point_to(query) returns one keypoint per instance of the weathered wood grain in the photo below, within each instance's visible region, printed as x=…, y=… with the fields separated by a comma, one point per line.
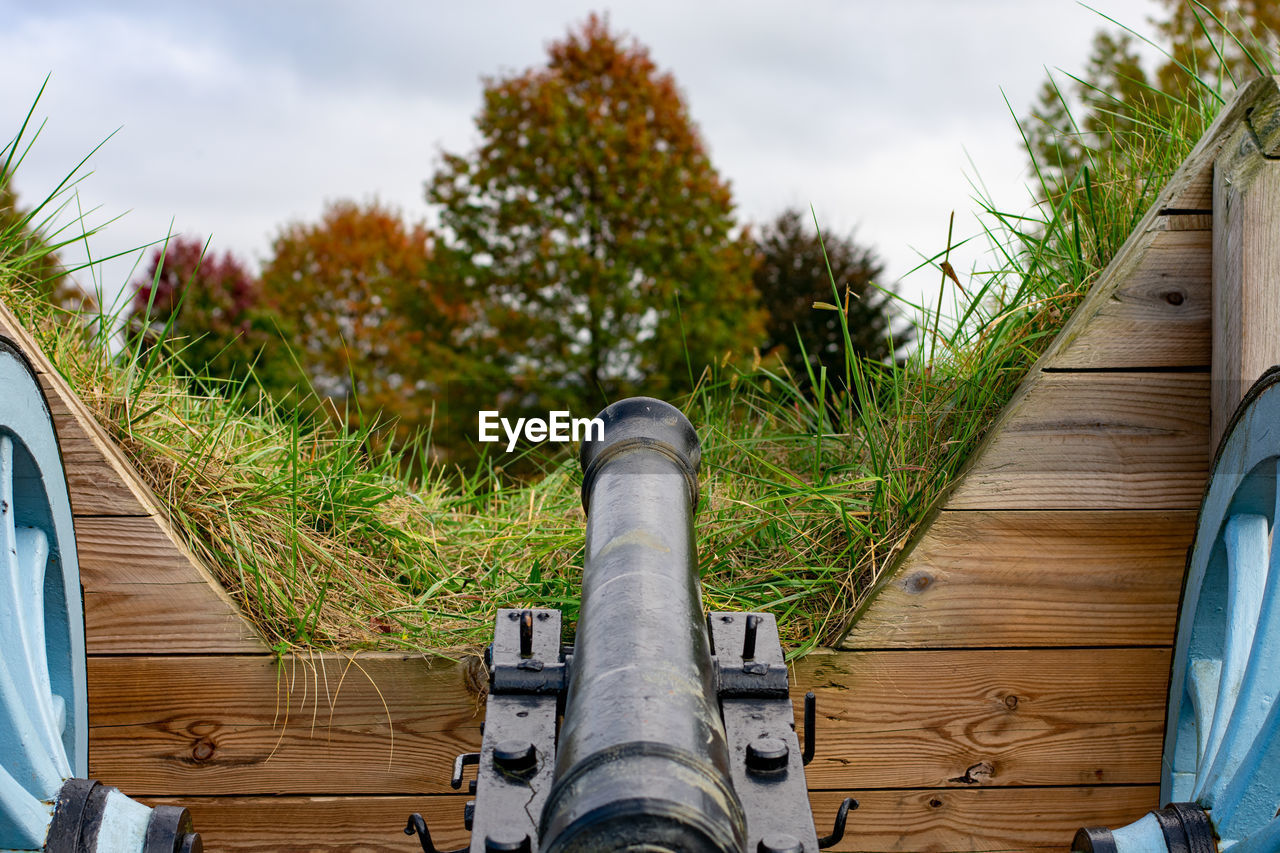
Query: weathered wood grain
x=991, y=819
x=101, y=482
x=1095, y=441
x=143, y=596
x=968, y=718
x=1197, y=193
x=1184, y=222
x=1034, y=579
x=1246, y=275
x=120, y=531
x=1191, y=187
x=1188, y=189
x=984, y=819
x=377, y=723
x=1156, y=316
x=230, y=725
x=96, y=473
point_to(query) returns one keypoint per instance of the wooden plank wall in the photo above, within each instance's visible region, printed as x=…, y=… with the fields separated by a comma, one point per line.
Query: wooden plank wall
x=1067, y=536
x=1004, y=687
x=978, y=749
x=264, y=756
x=144, y=593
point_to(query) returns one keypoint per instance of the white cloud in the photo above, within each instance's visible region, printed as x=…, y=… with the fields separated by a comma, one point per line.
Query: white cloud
x=238, y=117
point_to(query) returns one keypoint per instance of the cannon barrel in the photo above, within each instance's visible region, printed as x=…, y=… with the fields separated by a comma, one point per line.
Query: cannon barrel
x=660, y=729
x=642, y=755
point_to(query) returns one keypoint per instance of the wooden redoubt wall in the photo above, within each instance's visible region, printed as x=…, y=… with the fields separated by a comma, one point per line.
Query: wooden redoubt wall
x=1005, y=686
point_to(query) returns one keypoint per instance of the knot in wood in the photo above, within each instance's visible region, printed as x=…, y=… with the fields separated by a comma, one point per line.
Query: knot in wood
x=919, y=582
x=203, y=750
x=976, y=774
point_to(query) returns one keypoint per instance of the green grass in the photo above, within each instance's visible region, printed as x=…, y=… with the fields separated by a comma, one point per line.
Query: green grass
x=807, y=498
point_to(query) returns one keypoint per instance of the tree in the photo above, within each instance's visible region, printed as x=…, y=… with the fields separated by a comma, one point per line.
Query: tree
x=27, y=251
x=591, y=230
x=370, y=330
x=1117, y=97
x=1211, y=45
x=211, y=309
x=1217, y=40
x=792, y=275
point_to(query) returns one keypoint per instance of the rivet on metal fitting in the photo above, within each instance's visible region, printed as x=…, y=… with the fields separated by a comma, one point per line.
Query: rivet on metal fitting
x=767, y=755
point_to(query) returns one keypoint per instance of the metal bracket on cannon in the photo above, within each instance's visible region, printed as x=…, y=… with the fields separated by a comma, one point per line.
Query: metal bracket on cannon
x=529, y=673
x=764, y=752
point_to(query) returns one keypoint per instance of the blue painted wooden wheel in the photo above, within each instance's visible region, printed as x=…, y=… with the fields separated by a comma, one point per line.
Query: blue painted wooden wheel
x=46, y=801
x=1222, y=737
x=43, y=703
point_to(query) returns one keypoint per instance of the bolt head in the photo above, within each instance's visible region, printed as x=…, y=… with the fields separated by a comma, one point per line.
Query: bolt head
x=506, y=840
x=767, y=755
x=780, y=842
x=515, y=756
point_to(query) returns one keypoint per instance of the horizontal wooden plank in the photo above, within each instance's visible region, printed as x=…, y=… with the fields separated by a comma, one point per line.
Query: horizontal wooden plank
x=980, y=717
x=990, y=819
x=984, y=819
x=1188, y=190
x=1095, y=441
x=143, y=595
x=321, y=824
x=1033, y=579
x=144, y=591
x=1197, y=192
x=96, y=478
x=240, y=724
x=167, y=619
x=1157, y=314
x=385, y=724
x=1184, y=222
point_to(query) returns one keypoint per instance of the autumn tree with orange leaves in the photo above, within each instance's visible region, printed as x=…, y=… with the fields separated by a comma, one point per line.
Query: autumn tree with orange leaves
x=372, y=331
x=592, y=232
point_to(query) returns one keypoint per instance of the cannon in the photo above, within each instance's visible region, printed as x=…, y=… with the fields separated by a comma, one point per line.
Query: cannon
x=658, y=729
x=1220, y=770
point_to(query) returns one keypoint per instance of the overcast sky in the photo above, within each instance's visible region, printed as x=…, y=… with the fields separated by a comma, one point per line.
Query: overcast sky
x=236, y=117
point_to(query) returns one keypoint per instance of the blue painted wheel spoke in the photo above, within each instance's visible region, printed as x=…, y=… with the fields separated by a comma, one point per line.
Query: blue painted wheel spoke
x=1247, y=800
x=1203, y=676
x=24, y=682
x=43, y=725
x=1264, y=840
x=1247, y=542
x=25, y=819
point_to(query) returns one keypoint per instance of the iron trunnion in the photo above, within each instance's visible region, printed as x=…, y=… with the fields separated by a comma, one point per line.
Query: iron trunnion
x=674, y=733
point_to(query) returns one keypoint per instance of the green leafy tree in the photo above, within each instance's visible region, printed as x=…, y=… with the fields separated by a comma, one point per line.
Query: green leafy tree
x=1211, y=45
x=373, y=334
x=591, y=230
x=797, y=286
x=209, y=308
x=1069, y=128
